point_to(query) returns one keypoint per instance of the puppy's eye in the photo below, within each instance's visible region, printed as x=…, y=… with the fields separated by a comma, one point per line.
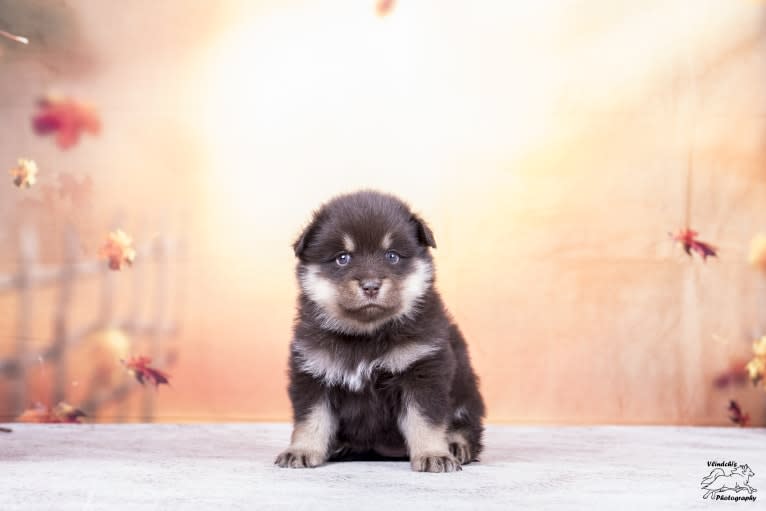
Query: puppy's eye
x=343, y=259
x=392, y=257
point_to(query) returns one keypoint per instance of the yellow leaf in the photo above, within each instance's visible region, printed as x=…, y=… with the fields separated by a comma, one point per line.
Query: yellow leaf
x=24, y=173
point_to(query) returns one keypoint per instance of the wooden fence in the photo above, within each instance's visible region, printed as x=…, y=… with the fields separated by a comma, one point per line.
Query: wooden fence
x=154, y=265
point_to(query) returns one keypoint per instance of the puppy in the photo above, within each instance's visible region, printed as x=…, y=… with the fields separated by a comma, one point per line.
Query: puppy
x=377, y=367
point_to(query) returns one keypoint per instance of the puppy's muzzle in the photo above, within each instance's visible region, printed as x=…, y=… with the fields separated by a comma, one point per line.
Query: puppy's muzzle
x=370, y=287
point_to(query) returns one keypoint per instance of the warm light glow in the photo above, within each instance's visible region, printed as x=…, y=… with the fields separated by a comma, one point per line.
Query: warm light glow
x=320, y=99
x=547, y=144
x=316, y=99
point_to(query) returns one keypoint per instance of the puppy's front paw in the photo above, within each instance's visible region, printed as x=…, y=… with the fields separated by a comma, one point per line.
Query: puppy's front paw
x=299, y=458
x=435, y=462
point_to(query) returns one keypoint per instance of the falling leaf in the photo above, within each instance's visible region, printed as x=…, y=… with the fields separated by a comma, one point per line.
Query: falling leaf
x=756, y=368
x=68, y=413
x=24, y=173
x=757, y=255
x=736, y=415
x=687, y=239
x=384, y=7
x=78, y=191
x=118, y=250
x=67, y=118
x=736, y=374
x=61, y=413
x=139, y=366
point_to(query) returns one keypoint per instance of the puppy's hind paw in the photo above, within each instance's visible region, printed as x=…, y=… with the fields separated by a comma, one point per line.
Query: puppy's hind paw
x=435, y=463
x=461, y=451
x=299, y=458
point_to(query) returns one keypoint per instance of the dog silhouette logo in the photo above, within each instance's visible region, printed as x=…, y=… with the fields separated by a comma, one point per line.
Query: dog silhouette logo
x=727, y=480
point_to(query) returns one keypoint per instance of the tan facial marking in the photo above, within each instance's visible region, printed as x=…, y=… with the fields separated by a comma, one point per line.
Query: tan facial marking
x=348, y=243
x=415, y=285
x=387, y=240
x=325, y=293
x=318, y=288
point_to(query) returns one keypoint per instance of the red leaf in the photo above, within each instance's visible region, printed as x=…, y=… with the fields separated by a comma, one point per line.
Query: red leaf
x=736, y=374
x=687, y=239
x=118, y=250
x=384, y=7
x=61, y=413
x=736, y=415
x=140, y=368
x=67, y=118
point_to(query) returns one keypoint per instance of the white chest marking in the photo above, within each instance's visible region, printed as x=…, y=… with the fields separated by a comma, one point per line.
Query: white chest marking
x=322, y=364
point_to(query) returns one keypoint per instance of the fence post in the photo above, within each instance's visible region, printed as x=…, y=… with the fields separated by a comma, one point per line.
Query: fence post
x=28, y=247
x=61, y=329
x=160, y=253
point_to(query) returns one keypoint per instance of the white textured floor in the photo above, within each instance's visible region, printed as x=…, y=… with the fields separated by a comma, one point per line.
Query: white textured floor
x=223, y=467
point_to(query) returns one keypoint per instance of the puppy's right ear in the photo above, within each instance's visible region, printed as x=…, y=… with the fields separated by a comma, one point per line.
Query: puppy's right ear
x=305, y=238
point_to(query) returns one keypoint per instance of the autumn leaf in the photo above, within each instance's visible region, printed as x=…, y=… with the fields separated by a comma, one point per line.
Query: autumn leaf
x=140, y=368
x=735, y=374
x=78, y=191
x=756, y=369
x=67, y=118
x=118, y=250
x=384, y=7
x=67, y=413
x=6, y=430
x=24, y=173
x=736, y=415
x=687, y=239
x=61, y=413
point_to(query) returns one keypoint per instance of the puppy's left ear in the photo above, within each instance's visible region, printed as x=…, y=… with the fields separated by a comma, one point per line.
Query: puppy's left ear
x=425, y=236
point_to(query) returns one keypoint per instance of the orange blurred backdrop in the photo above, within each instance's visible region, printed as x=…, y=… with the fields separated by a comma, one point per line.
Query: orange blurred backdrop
x=551, y=145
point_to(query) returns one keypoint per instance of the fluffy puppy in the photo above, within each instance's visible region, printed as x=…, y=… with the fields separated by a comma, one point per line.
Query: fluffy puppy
x=377, y=367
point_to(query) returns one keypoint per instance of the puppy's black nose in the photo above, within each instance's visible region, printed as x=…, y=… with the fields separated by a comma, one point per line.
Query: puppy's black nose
x=370, y=286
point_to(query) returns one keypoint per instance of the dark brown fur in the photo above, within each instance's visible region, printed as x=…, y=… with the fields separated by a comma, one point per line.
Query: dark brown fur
x=438, y=384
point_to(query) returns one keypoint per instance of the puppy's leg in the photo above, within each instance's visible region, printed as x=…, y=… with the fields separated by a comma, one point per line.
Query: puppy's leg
x=465, y=428
x=312, y=437
x=426, y=441
x=465, y=431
